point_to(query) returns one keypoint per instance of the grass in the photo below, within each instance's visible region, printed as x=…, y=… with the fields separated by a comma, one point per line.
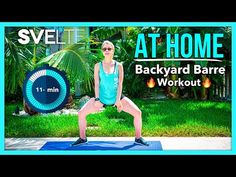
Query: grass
x=160, y=118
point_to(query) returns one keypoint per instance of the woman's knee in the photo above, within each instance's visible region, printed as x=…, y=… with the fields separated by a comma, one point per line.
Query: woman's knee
x=81, y=113
x=83, y=110
x=138, y=113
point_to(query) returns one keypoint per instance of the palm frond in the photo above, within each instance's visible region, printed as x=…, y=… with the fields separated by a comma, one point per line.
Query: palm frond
x=75, y=60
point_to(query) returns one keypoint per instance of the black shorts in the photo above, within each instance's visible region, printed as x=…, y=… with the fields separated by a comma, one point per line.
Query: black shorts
x=105, y=105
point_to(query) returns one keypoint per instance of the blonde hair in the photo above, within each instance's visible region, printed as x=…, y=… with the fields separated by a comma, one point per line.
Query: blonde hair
x=109, y=43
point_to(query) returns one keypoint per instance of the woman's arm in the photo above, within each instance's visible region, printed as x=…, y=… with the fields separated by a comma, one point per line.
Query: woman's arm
x=96, y=80
x=120, y=82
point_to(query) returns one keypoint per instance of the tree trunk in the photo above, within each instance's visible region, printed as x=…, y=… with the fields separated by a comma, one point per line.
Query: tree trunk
x=204, y=91
x=28, y=109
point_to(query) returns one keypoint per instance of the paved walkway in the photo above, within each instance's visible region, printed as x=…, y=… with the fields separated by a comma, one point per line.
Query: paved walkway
x=168, y=143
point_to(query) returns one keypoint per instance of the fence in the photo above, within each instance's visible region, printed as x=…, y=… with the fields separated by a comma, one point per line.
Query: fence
x=224, y=90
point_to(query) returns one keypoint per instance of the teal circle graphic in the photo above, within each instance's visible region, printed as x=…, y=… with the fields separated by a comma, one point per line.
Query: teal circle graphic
x=51, y=91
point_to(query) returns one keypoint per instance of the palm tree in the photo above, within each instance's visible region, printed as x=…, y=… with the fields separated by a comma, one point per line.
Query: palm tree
x=18, y=60
x=77, y=61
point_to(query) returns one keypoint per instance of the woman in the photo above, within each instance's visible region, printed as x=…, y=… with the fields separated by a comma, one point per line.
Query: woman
x=108, y=76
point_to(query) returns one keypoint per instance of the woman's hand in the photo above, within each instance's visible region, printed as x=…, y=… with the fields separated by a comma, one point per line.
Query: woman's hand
x=98, y=104
x=119, y=106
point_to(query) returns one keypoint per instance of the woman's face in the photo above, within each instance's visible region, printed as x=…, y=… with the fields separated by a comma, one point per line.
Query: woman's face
x=107, y=50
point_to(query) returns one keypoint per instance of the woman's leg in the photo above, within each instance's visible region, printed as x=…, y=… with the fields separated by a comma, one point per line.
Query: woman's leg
x=88, y=108
x=131, y=108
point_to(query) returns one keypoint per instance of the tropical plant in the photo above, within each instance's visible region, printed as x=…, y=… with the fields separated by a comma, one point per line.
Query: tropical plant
x=77, y=60
x=18, y=59
x=109, y=33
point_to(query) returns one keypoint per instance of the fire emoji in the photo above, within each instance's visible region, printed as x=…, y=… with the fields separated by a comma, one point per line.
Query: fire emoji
x=206, y=83
x=151, y=83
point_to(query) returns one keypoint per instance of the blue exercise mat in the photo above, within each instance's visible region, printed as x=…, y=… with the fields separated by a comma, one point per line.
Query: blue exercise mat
x=101, y=145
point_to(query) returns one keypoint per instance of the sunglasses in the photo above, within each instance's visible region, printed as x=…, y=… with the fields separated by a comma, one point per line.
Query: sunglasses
x=109, y=49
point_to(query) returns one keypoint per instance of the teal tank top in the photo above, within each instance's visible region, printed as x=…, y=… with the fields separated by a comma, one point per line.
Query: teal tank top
x=108, y=85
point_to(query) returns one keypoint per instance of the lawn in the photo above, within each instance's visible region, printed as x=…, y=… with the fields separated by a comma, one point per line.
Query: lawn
x=160, y=118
